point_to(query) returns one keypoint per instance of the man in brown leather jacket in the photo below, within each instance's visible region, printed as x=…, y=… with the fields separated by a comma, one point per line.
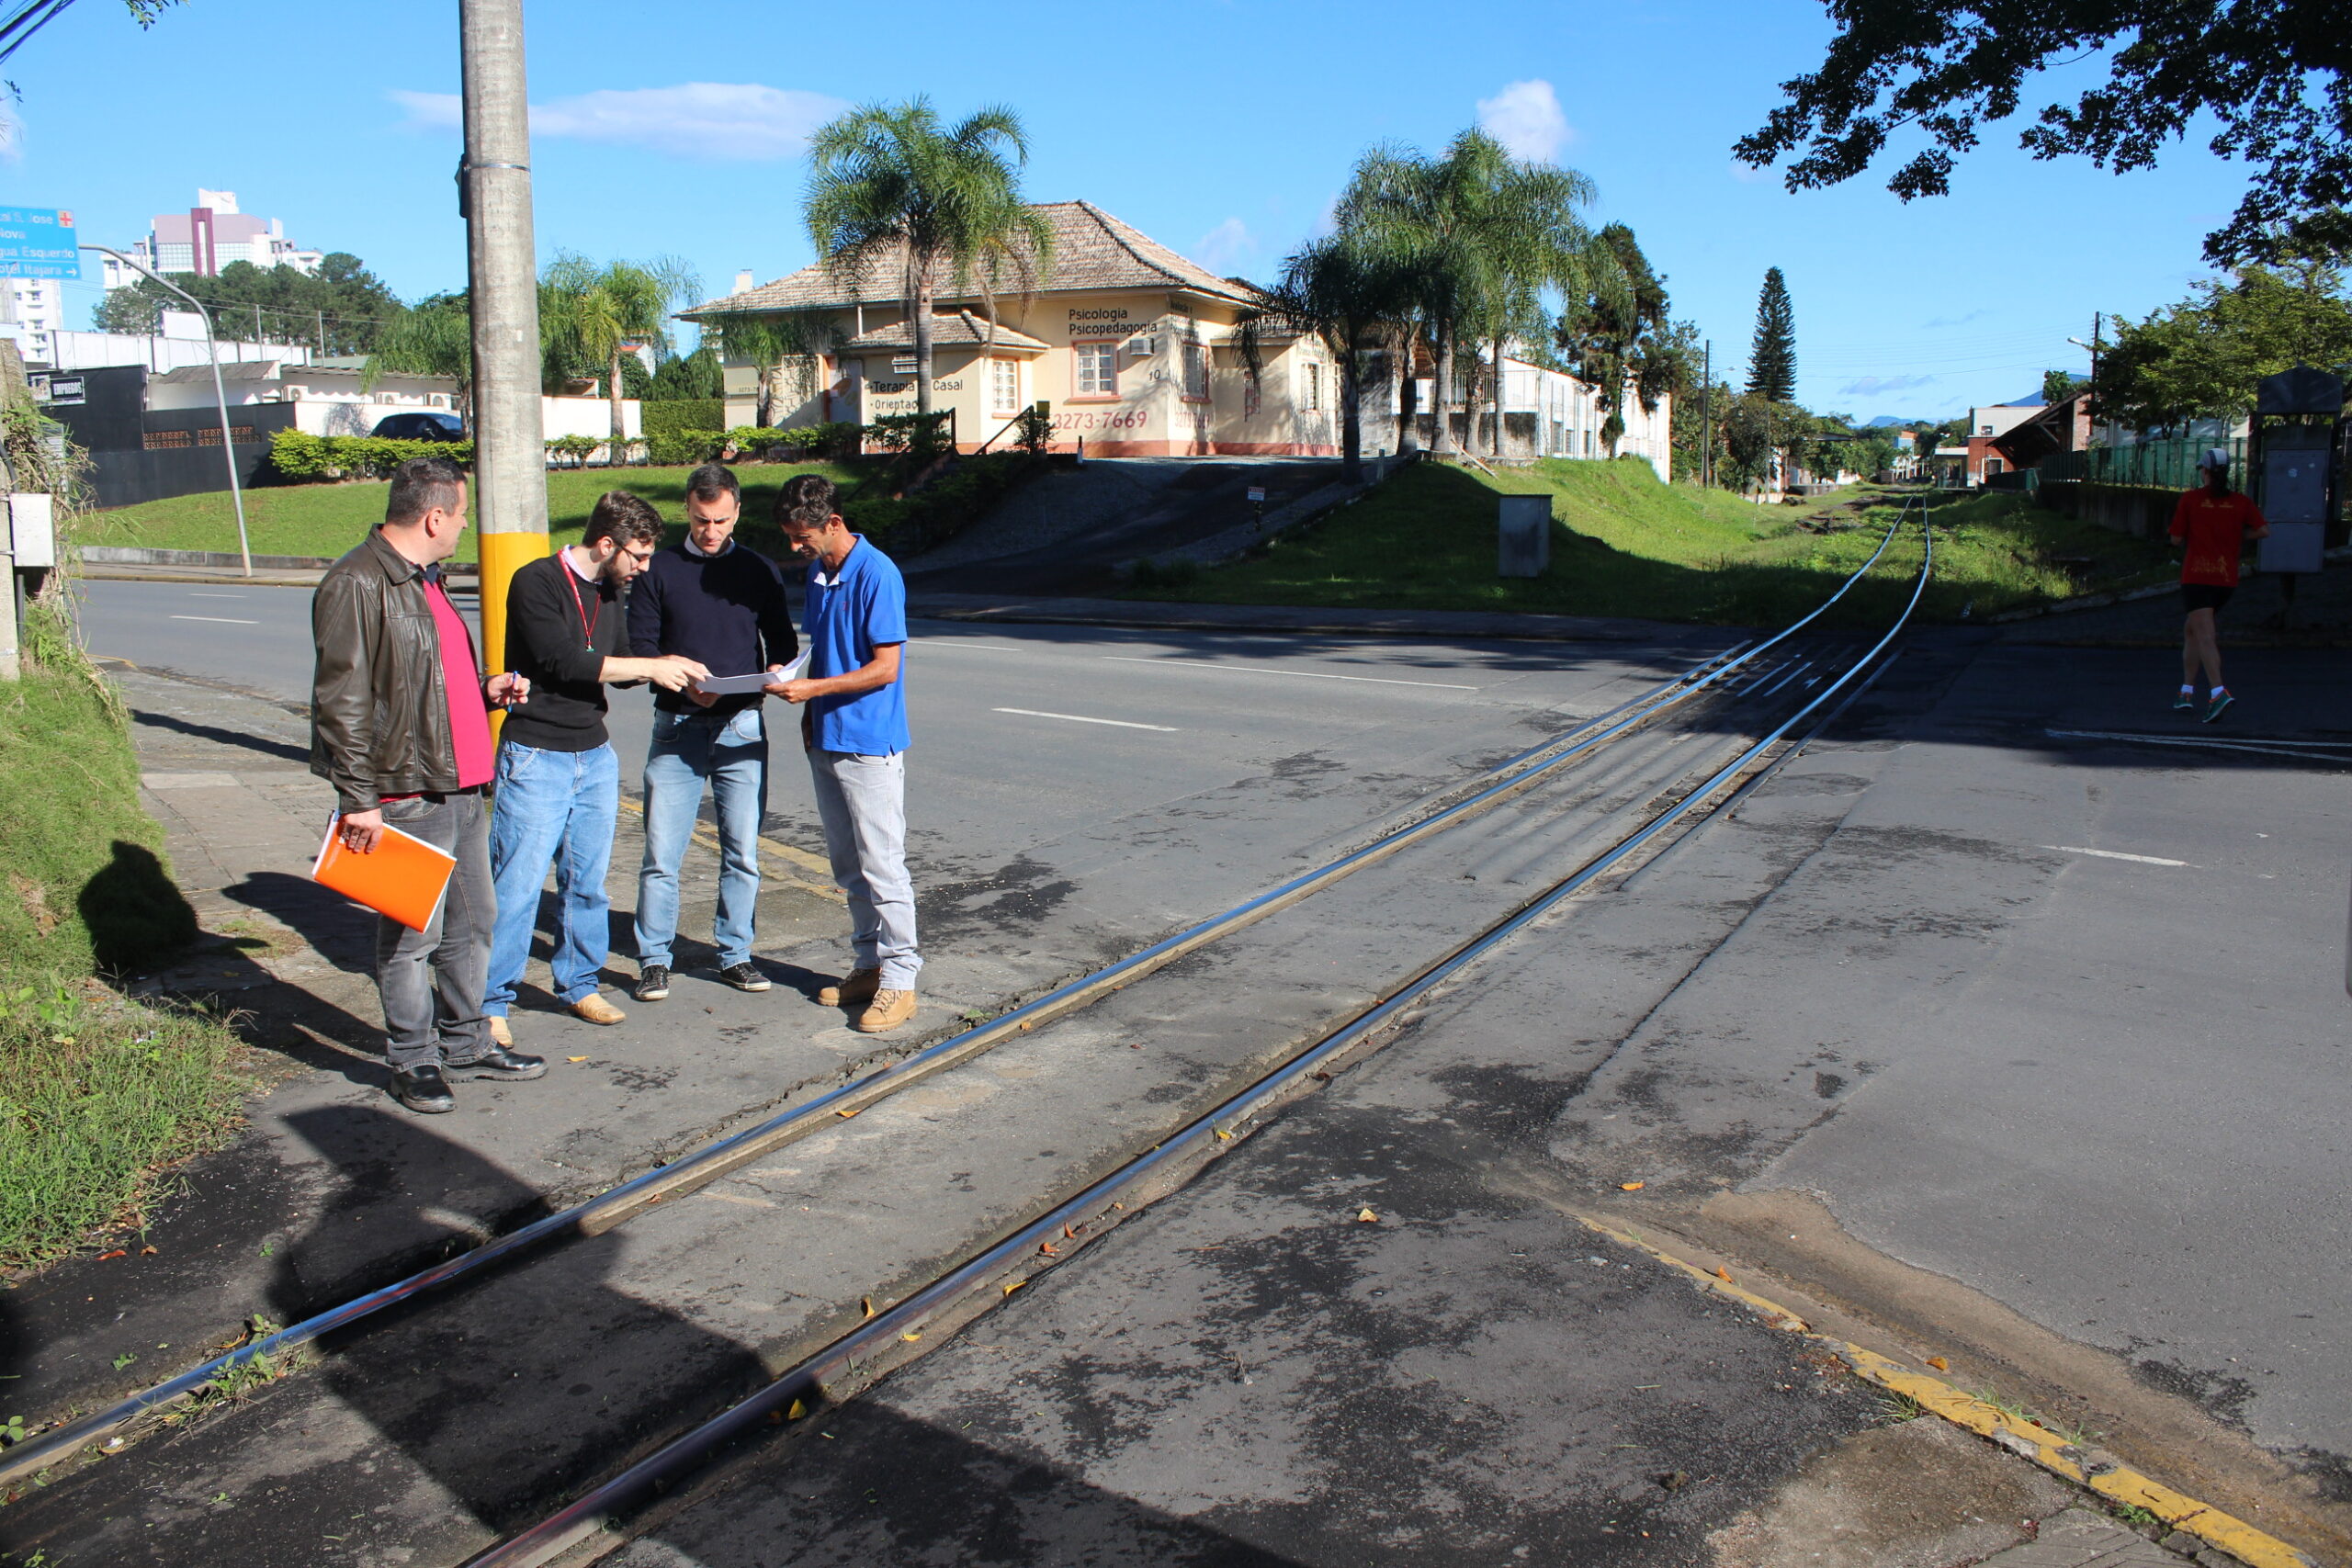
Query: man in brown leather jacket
x=400, y=726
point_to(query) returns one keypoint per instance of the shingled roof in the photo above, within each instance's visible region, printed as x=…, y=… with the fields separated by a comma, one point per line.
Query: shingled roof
x=962, y=329
x=1092, y=251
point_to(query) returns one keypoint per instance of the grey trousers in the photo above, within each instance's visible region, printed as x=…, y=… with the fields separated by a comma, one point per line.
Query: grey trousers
x=863, y=803
x=431, y=980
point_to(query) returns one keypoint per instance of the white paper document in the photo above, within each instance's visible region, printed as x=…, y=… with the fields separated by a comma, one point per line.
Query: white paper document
x=723, y=685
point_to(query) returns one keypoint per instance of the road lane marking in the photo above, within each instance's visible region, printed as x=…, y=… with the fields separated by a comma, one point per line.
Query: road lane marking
x=1303, y=674
x=2115, y=854
x=1081, y=718
x=218, y=620
x=982, y=647
x=2308, y=751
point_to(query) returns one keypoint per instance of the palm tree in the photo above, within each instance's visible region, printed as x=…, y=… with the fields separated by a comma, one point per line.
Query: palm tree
x=1483, y=234
x=434, y=337
x=775, y=341
x=591, y=314
x=1350, y=294
x=891, y=187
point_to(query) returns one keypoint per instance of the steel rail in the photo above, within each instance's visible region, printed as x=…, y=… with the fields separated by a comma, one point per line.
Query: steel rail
x=608, y=1209
x=804, y=1383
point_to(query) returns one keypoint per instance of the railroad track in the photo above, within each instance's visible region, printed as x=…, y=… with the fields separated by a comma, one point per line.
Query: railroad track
x=1772, y=690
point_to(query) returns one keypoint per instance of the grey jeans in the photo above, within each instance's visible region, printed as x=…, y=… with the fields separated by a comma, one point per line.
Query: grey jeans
x=431, y=980
x=863, y=803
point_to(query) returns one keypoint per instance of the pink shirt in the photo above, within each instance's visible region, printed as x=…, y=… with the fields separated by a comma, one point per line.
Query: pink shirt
x=468, y=716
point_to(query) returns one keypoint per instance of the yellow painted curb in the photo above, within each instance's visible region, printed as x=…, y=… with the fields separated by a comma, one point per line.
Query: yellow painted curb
x=2077, y=1462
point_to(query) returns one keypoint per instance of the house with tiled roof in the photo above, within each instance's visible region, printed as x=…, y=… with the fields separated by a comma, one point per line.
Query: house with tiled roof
x=1130, y=344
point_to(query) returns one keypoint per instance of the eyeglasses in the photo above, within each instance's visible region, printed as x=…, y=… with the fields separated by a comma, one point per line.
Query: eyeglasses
x=640, y=556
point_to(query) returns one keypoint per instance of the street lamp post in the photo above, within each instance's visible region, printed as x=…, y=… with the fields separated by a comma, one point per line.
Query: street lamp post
x=219, y=394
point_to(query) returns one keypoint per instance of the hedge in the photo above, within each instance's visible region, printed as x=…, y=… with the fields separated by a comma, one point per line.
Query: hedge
x=299, y=455
x=682, y=416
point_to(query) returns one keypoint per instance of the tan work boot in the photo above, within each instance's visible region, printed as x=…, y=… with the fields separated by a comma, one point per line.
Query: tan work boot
x=885, y=1012
x=859, y=986
x=499, y=1034
x=594, y=1008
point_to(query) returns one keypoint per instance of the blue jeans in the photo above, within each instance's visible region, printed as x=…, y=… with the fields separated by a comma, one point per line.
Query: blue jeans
x=551, y=806
x=731, y=751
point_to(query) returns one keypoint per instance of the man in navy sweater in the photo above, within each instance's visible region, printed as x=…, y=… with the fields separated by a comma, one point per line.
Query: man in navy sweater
x=713, y=601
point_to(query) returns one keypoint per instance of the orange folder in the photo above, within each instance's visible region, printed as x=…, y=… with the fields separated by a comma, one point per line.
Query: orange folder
x=403, y=878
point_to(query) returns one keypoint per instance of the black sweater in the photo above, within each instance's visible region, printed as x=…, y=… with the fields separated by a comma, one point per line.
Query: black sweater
x=727, y=611
x=547, y=641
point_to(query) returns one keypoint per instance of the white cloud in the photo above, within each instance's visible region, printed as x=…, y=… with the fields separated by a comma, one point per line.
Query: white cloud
x=1226, y=247
x=731, y=121
x=1525, y=118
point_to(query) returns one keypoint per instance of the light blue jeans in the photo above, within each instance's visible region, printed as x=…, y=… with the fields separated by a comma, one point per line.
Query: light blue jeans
x=553, y=807
x=863, y=803
x=731, y=751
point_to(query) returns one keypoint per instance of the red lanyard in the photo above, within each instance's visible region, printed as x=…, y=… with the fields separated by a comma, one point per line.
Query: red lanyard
x=587, y=627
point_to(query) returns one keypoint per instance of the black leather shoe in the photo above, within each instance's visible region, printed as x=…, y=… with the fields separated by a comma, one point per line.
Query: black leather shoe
x=744, y=977
x=652, y=983
x=498, y=1061
x=423, y=1089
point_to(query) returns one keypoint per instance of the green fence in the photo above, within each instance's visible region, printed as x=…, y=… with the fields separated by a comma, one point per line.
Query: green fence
x=2169, y=464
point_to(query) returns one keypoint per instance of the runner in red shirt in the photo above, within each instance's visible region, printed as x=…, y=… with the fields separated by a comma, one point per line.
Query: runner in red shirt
x=2211, y=525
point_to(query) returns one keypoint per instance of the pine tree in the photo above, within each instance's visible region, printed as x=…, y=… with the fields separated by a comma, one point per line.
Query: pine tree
x=1772, y=361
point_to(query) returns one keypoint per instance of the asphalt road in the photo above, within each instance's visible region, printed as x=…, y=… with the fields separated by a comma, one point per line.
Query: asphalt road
x=1027, y=735
x=2016, y=1041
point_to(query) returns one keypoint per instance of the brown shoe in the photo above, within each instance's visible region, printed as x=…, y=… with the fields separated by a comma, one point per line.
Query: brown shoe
x=594, y=1008
x=499, y=1034
x=885, y=1012
x=859, y=986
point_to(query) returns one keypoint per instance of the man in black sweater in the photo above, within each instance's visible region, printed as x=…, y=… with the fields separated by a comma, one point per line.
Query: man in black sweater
x=557, y=780
x=709, y=599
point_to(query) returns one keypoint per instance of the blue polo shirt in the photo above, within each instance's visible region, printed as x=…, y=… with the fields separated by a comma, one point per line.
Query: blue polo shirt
x=849, y=616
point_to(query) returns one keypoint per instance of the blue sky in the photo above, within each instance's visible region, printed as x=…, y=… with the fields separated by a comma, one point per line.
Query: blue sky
x=1222, y=130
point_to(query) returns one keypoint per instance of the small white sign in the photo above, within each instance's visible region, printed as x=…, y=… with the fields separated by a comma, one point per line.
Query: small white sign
x=1257, y=492
x=32, y=530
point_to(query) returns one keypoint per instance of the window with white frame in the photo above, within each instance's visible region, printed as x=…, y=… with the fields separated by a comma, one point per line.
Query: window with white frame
x=1196, y=371
x=1098, y=369
x=1004, y=386
x=1311, y=387
x=903, y=365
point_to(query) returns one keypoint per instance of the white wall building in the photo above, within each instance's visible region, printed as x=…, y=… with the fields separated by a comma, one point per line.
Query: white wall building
x=208, y=237
x=32, y=310
x=329, y=399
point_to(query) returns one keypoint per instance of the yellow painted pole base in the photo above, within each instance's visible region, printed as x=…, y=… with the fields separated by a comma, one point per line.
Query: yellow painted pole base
x=502, y=555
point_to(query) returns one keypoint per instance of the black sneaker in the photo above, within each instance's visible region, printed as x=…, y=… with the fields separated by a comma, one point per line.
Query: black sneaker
x=744, y=976
x=652, y=983
x=498, y=1061
x=423, y=1089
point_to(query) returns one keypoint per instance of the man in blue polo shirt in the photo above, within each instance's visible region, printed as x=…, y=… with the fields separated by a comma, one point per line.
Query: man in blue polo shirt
x=853, y=723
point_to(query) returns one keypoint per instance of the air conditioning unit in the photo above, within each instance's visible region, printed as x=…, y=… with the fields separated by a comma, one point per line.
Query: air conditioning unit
x=1143, y=347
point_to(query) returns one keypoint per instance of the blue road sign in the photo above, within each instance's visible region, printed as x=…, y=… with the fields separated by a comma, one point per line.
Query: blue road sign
x=37, y=242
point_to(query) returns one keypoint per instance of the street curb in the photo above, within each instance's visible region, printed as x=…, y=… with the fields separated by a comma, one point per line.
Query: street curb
x=2080, y=1463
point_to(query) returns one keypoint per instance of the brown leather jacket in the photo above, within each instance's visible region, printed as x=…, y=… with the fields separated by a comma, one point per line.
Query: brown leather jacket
x=380, y=708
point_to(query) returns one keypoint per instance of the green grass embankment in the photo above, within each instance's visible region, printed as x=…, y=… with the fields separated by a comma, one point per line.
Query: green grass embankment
x=324, y=520
x=1624, y=543
x=97, y=1093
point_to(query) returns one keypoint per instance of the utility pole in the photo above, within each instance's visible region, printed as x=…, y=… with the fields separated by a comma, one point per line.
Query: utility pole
x=1707, y=418
x=501, y=270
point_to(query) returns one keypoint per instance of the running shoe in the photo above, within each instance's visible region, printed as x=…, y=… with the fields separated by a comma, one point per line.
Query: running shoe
x=2185, y=703
x=2220, y=706
x=652, y=983
x=744, y=976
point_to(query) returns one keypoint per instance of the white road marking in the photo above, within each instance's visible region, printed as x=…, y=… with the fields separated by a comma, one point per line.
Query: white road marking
x=982, y=647
x=218, y=620
x=2116, y=854
x=2308, y=751
x=1081, y=718
x=1303, y=674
